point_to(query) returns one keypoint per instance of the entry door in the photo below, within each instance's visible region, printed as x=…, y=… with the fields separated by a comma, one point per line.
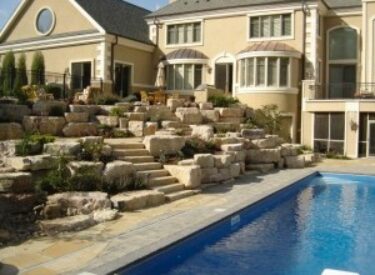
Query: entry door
x=371, y=138
x=122, y=79
x=342, y=81
x=224, y=77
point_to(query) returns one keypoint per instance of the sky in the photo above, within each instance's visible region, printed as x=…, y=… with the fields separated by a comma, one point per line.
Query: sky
x=7, y=6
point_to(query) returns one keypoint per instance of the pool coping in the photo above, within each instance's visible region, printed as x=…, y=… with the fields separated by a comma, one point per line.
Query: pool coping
x=105, y=266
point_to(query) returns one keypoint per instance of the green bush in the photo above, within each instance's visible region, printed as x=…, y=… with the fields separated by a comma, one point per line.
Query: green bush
x=55, y=89
x=8, y=74
x=56, y=111
x=196, y=145
x=21, y=74
x=222, y=101
x=32, y=144
x=85, y=181
x=107, y=100
x=38, y=69
x=91, y=151
x=268, y=118
x=117, y=112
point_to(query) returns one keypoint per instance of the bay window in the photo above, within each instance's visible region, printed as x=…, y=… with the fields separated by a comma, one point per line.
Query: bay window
x=184, y=76
x=264, y=72
x=184, y=33
x=279, y=25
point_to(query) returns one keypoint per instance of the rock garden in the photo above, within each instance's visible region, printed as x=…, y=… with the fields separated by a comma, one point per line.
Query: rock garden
x=67, y=166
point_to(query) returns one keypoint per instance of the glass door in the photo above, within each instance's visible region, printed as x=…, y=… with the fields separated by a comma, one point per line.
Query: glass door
x=371, y=138
x=224, y=77
x=342, y=81
x=122, y=79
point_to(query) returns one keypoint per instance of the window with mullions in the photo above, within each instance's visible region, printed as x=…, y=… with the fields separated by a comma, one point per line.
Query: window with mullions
x=184, y=33
x=184, y=76
x=271, y=26
x=329, y=133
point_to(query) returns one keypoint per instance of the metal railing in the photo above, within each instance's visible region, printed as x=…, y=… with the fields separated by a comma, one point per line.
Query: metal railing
x=333, y=91
x=68, y=83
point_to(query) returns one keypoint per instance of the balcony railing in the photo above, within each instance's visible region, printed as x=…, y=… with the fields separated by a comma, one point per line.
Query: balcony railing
x=343, y=90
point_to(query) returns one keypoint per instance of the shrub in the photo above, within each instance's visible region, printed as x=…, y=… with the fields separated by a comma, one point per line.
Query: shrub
x=85, y=181
x=107, y=100
x=196, y=145
x=21, y=75
x=38, y=69
x=267, y=118
x=117, y=112
x=8, y=74
x=32, y=144
x=222, y=100
x=55, y=89
x=56, y=111
x=91, y=151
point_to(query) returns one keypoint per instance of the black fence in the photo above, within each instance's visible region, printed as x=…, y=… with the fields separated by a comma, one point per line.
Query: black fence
x=345, y=91
x=62, y=85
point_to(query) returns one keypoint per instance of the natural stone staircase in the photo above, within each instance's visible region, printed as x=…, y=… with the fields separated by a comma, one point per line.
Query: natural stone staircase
x=159, y=179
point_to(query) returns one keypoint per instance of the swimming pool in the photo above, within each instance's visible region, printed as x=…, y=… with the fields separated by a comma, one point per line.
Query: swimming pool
x=325, y=221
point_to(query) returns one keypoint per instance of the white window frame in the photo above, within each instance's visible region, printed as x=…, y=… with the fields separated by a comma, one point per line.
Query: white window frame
x=53, y=21
x=192, y=62
x=200, y=43
x=275, y=38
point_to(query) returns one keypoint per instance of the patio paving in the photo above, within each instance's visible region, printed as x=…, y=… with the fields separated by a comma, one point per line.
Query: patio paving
x=112, y=245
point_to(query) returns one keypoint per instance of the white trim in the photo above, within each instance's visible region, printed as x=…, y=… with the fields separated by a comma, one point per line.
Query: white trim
x=12, y=19
x=53, y=24
x=269, y=54
x=53, y=43
x=87, y=16
x=293, y=127
x=185, y=61
x=183, y=22
x=268, y=90
x=276, y=38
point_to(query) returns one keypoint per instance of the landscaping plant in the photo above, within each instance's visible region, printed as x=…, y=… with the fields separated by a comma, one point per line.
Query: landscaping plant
x=267, y=118
x=222, y=101
x=8, y=74
x=38, y=69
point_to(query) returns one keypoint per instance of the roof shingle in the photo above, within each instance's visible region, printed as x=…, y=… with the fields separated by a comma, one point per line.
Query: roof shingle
x=119, y=17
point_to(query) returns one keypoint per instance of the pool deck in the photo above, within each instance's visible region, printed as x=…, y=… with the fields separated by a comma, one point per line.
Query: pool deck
x=109, y=246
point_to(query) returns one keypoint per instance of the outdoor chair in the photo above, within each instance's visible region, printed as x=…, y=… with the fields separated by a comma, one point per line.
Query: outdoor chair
x=160, y=97
x=145, y=97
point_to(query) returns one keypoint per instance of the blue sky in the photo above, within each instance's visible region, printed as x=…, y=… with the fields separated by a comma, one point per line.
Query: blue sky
x=7, y=6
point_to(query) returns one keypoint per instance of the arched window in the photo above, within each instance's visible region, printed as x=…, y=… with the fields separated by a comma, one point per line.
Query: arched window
x=343, y=44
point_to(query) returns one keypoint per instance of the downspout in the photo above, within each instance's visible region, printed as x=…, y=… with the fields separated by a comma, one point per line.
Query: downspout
x=112, y=68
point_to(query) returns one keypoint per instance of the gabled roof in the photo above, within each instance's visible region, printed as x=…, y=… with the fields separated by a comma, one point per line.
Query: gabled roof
x=116, y=17
x=119, y=17
x=191, y=6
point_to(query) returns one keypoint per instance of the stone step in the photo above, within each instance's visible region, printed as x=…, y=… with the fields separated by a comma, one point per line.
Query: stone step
x=180, y=195
x=154, y=173
x=147, y=166
x=127, y=145
x=138, y=159
x=130, y=152
x=171, y=188
x=161, y=181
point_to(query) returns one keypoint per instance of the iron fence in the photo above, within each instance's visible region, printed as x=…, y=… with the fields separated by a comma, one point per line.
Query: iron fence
x=66, y=83
x=363, y=90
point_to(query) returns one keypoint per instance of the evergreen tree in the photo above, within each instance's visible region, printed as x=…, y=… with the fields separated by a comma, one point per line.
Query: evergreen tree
x=38, y=69
x=21, y=74
x=8, y=73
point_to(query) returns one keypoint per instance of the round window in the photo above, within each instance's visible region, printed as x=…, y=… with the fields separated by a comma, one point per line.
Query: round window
x=45, y=21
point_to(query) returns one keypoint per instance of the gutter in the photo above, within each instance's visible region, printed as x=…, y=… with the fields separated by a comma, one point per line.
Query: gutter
x=113, y=45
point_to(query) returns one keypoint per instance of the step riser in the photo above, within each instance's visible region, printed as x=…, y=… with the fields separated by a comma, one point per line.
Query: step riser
x=182, y=195
x=155, y=182
x=155, y=174
x=131, y=153
x=137, y=160
x=145, y=167
x=127, y=146
x=170, y=189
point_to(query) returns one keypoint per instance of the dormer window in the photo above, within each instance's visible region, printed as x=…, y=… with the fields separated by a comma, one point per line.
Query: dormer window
x=183, y=34
x=271, y=26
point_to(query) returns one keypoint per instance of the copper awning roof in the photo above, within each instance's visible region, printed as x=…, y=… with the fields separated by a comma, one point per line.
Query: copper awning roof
x=185, y=54
x=269, y=46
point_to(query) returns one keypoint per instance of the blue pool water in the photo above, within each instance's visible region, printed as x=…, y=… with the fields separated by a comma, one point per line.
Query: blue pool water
x=323, y=221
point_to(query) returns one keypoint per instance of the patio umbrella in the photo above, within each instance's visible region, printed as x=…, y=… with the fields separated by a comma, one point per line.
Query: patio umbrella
x=160, y=76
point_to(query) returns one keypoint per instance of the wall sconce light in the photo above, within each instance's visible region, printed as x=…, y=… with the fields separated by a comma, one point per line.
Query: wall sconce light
x=353, y=125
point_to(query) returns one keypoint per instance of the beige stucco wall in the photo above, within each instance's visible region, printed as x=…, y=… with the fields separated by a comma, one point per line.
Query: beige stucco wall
x=68, y=19
x=142, y=63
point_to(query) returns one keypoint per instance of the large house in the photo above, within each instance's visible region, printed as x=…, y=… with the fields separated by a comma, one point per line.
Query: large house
x=314, y=59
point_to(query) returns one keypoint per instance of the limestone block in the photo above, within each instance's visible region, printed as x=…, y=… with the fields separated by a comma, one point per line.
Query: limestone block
x=222, y=161
x=206, y=106
x=78, y=167
x=233, y=120
x=189, y=115
x=225, y=173
x=67, y=224
x=210, y=116
x=256, y=156
x=170, y=124
x=205, y=132
x=231, y=112
x=295, y=162
x=117, y=171
x=232, y=147
x=16, y=183
x=160, y=112
x=186, y=162
x=77, y=117
x=253, y=133
x=263, y=168
x=136, y=116
x=32, y=163
x=44, y=125
x=111, y=121
x=62, y=147
x=91, y=140
x=136, y=128
x=43, y=107
x=93, y=110
x=189, y=175
x=14, y=112
x=123, y=122
x=168, y=144
x=136, y=200
x=80, y=129
x=288, y=149
x=238, y=156
x=204, y=160
x=173, y=104
x=223, y=127
x=207, y=173
x=11, y=131
x=281, y=163
x=268, y=143
x=14, y=203
x=106, y=215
